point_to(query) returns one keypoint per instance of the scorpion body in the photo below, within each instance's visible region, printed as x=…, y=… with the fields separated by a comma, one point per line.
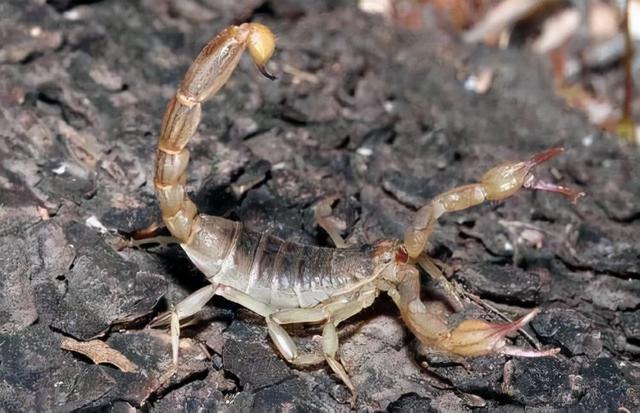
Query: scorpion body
x=280, y=273
x=288, y=283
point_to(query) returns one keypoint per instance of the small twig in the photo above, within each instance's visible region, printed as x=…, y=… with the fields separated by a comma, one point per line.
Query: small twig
x=100, y=352
x=299, y=75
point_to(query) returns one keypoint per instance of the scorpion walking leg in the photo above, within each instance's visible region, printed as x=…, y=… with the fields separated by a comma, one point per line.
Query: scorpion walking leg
x=246, y=301
x=185, y=308
x=283, y=340
x=196, y=301
x=322, y=216
x=426, y=263
x=341, y=311
x=331, y=314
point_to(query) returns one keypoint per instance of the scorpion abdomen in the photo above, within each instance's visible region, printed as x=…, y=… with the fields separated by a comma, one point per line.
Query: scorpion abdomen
x=288, y=274
x=281, y=273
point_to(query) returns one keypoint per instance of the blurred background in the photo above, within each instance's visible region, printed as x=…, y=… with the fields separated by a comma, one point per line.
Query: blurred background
x=588, y=43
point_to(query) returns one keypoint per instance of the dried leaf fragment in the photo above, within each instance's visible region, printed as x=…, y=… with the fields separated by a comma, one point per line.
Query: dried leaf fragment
x=500, y=17
x=480, y=82
x=99, y=352
x=43, y=212
x=557, y=30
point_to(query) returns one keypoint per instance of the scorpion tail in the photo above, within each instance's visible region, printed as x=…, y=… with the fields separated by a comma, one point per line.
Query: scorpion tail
x=206, y=75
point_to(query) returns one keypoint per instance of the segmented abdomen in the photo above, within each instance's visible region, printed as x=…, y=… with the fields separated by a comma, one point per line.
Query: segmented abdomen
x=291, y=274
x=272, y=270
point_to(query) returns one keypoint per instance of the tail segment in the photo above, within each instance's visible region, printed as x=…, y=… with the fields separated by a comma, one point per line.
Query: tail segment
x=206, y=75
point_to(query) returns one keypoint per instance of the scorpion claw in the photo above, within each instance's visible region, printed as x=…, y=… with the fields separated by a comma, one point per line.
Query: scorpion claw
x=541, y=185
x=504, y=180
x=544, y=156
x=497, y=184
x=470, y=338
x=532, y=183
x=478, y=337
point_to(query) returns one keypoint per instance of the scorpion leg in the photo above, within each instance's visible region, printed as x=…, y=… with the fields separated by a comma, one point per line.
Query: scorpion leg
x=189, y=306
x=330, y=348
x=497, y=184
x=162, y=240
x=322, y=216
x=340, y=311
x=283, y=340
x=196, y=301
x=331, y=314
x=185, y=308
x=426, y=263
x=246, y=301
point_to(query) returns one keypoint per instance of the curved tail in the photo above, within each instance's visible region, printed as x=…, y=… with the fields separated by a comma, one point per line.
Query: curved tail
x=206, y=75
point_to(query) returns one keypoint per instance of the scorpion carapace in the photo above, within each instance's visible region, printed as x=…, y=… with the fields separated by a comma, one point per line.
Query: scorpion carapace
x=288, y=283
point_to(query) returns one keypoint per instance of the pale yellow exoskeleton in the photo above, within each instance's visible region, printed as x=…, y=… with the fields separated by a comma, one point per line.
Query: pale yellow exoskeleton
x=289, y=283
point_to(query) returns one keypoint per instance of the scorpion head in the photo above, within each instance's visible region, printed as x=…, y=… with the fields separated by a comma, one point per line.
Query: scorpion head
x=390, y=252
x=388, y=255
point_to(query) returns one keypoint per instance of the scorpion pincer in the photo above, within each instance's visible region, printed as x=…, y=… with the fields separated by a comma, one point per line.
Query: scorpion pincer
x=286, y=282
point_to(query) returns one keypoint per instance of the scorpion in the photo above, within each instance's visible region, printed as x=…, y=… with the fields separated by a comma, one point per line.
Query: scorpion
x=289, y=283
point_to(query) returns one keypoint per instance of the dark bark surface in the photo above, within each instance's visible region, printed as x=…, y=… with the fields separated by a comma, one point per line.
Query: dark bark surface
x=368, y=112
